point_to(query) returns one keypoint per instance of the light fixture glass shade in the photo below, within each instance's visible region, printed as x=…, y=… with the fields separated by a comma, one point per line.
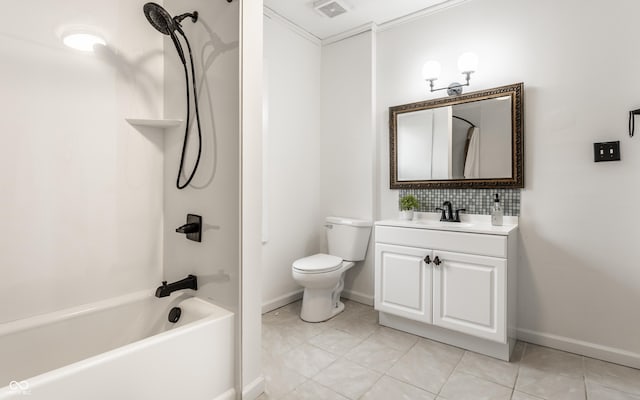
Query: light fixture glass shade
x=431, y=70
x=82, y=41
x=468, y=62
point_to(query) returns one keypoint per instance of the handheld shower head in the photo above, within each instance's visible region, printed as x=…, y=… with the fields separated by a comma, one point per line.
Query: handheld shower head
x=160, y=19
x=164, y=23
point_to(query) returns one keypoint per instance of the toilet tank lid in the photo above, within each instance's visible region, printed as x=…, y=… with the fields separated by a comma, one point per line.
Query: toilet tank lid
x=349, y=221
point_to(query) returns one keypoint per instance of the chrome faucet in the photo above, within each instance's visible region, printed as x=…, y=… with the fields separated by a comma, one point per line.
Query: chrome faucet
x=447, y=212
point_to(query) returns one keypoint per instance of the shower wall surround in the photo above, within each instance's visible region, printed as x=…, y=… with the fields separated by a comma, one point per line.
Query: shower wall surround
x=214, y=191
x=475, y=201
x=81, y=203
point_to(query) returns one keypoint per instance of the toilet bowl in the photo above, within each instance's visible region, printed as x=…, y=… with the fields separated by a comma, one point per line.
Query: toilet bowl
x=322, y=275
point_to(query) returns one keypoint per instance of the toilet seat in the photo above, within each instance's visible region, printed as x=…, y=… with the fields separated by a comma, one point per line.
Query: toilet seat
x=317, y=263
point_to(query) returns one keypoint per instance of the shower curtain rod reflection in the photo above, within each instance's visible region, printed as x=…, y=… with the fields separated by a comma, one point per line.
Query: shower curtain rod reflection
x=467, y=121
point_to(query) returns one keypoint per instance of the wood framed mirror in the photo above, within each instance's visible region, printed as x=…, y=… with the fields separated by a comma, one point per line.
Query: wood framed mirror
x=473, y=140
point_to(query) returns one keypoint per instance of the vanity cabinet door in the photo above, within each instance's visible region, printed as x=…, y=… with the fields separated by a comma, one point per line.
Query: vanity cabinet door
x=469, y=294
x=403, y=281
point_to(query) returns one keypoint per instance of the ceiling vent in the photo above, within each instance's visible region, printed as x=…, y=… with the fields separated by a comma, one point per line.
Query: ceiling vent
x=330, y=8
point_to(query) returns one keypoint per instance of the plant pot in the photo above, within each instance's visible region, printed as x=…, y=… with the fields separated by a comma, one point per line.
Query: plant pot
x=406, y=215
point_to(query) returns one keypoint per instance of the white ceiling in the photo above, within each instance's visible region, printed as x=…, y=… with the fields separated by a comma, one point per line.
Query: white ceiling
x=361, y=12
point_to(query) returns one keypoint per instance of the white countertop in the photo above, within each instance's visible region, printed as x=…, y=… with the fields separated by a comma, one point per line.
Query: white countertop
x=470, y=223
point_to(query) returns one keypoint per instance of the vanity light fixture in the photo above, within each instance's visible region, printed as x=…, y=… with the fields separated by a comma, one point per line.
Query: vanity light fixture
x=467, y=64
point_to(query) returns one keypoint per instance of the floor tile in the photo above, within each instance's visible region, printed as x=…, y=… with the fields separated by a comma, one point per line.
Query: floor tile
x=523, y=396
x=388, y=388
x=353, y=308
x=372, y=355
x=393, y=338
x=280, y=381
x=347, y=378
x=427, y=365
x=494, y=370
x=335, y=341
x=461, y=386
x=355, y=326
x=293, y=308
x=598, y=392
x=552, y=361
x=549, y=385
x=311, y=390
x=518, y=352
x=308, y=360
x=277, y=341
x=345, y=357
x=614, y=376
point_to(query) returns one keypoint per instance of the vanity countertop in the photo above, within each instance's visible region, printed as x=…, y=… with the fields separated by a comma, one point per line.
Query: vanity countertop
x=469, y=224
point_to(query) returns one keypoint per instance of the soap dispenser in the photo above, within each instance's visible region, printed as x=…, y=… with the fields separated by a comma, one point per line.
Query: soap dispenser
x=496, y=212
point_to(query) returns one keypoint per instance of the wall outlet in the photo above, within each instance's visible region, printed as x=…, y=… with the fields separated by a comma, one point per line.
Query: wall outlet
x=606, y=151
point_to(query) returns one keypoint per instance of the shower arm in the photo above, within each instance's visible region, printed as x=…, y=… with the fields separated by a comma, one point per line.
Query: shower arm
x=178, y=18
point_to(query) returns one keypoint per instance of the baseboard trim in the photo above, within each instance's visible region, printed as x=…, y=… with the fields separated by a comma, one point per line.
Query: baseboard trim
x=357, y=296
x=282, y=301
x=253, y=390
x=588, y=349
x=228, y=395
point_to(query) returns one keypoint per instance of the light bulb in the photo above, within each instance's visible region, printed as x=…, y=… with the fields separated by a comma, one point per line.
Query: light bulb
x=468, y=62
x=431, y=70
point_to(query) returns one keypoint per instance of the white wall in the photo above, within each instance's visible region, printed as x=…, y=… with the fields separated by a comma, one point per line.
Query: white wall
x=348, y=143
x=81, y=204
x=214, y=191
x=578, y=277
x=292, y=163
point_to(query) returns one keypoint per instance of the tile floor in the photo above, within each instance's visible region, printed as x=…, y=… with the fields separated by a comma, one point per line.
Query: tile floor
x=352, y=357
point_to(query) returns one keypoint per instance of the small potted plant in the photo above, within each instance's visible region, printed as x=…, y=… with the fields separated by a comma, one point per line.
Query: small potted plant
x=408, y=204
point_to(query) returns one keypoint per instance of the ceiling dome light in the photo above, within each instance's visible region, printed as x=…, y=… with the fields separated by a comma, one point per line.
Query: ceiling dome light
x=82, y=41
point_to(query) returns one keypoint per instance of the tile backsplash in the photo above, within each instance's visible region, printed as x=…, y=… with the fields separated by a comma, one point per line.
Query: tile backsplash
x=475, y=201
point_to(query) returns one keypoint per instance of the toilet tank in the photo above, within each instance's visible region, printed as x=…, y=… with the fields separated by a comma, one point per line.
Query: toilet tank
x=348, y=238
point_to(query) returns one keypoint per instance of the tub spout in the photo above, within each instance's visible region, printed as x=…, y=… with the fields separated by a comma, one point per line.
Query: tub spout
x=190, y=282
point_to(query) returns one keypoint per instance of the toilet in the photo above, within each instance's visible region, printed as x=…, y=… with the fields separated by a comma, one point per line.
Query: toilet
x=322, y=275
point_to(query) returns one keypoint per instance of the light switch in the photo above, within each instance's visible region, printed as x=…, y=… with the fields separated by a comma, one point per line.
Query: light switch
x=606, y=151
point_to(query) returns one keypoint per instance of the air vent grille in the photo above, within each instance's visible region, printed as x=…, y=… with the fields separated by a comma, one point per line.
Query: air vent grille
x=330, y=8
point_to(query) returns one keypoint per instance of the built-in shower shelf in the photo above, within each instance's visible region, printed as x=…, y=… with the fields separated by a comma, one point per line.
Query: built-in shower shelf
x=155, y=123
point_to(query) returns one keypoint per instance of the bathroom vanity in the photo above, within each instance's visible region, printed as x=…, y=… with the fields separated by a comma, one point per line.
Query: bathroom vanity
x=450, y=282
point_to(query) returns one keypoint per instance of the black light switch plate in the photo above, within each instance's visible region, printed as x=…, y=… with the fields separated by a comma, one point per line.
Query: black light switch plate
x=606, y=151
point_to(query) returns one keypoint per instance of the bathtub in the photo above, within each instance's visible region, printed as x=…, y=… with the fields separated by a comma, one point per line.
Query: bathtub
x=124, y=348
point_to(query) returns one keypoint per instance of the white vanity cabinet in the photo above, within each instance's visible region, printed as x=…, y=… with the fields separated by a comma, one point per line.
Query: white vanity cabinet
x=454, y=284
x=403, y=281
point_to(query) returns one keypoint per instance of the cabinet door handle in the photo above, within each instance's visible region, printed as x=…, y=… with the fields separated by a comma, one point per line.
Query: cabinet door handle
x=427, y=259
x=437, y=261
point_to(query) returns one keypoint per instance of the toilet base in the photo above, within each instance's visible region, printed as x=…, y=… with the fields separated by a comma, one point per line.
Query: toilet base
x=318, y=307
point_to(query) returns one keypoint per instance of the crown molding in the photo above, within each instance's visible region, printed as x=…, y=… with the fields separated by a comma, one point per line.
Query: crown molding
x=420, y=14
x=297, y=29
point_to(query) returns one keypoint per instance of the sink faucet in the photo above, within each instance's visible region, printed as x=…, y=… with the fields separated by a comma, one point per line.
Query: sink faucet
x=190, y=282
x=447, y=212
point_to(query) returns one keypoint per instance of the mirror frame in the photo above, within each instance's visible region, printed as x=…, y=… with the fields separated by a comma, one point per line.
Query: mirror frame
x=515, y=91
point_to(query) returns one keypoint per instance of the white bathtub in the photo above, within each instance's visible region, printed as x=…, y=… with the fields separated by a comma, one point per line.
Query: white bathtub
x=122, y=349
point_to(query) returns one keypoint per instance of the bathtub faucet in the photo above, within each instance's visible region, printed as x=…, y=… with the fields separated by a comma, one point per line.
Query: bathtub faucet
x=190, y=282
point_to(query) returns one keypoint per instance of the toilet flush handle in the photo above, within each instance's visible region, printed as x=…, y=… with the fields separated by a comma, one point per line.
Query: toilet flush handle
x=328, y=226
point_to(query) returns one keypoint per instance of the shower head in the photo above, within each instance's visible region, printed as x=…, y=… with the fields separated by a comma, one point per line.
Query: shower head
x=160, y=19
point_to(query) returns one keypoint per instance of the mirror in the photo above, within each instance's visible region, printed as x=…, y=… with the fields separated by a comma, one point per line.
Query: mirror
x=474, y=140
